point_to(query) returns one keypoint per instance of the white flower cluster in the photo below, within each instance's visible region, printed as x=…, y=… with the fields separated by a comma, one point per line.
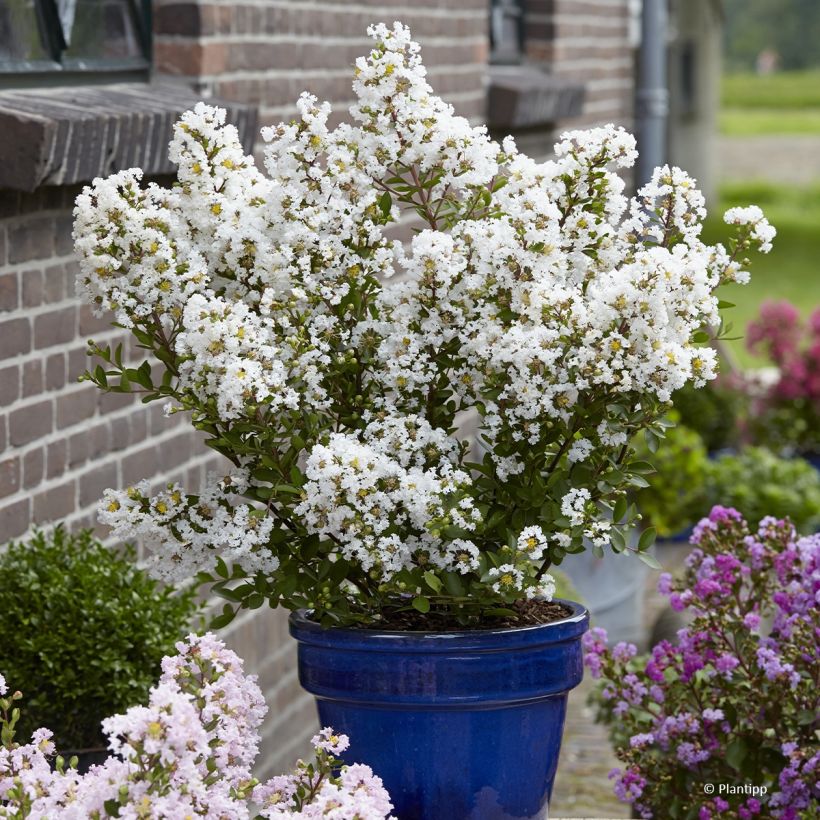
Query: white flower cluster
x=188, y=753
x=385, y=497
x=762, y=232
x=189, y=533
x=538, y=295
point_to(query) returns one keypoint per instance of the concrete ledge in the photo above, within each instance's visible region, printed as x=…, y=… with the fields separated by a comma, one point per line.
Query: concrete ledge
x=66, y=135
x=525, y=96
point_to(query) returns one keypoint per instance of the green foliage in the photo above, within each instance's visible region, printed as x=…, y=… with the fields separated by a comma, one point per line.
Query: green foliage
x=746, y=122
x=711, y=411
x=84, y=631
x=790, y=27
x=674, y=498
x=783, y=90
x=758, y=483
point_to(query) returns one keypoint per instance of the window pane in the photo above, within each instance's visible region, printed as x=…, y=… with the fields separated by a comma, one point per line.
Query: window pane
x=102, y=30
x=19, y=32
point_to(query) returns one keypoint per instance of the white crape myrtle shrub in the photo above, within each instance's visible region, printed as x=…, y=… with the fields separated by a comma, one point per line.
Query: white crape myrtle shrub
x=537, y=296
x=187, y=754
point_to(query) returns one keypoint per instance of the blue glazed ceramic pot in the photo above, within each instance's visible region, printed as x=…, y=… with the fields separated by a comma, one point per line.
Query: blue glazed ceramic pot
x=459, y=725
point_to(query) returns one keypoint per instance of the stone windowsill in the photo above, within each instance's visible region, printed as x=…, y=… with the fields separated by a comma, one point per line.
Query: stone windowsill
x=66, y=135
x=526, y=97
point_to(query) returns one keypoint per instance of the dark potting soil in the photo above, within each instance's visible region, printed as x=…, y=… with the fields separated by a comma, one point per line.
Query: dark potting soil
x=527, y=613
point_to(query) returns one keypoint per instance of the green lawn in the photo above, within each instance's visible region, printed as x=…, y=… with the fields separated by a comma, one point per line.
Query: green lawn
x=746, y=122
x=792, y=270
x=789, y=89
x=786, y=103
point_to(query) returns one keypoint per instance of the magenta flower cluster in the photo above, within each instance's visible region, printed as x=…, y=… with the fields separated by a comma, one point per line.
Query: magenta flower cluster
x=187, y=754
x=733, y=702
x=793, y=346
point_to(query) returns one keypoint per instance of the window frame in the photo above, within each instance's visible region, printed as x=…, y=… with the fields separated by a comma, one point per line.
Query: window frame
x=507, y=52
x=61, y=70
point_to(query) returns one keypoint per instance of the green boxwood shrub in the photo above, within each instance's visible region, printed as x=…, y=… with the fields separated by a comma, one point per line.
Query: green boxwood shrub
x=84, y=631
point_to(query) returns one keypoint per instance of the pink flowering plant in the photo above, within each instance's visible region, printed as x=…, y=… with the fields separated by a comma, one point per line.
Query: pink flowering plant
x=734, y=701
x=187, y=754
x=787, y=414
x=333, y=365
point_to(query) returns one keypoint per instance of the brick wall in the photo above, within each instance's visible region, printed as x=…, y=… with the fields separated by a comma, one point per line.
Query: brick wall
x=62, y=443
x=586, y=40
x=268, y=52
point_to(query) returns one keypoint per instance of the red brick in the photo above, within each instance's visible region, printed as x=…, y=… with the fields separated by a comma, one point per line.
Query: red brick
x=32, y=378
x=94, y=482
x=30, y=423
x=33, y=467
x=9, y=292
x=15, y=338
x=55, y=503
x=54, y=283
x=90, y=324
x=88, y=444
x=9, y=476
x=14, y=520
x=55, y=327
x=110, y=402
x=32, y=239
x=63, y=240
x=189, y=58
x=76, y=406
x=32, y=290
x=9, y=384
x=55, y=371
x=78, y=362
x=142, y=464
x=56, y=458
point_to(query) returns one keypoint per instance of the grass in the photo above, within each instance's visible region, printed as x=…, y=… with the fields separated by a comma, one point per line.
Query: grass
x=747, y=122
x=785, y=103
x=791, y=271
x=789, y=89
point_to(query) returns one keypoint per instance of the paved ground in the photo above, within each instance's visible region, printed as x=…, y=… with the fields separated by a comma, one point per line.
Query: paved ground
x=582, y=787
x=785, y=158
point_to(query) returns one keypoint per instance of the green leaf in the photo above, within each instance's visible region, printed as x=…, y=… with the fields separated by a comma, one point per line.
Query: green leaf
x=617, y=540
x=650, y=560
x=500, y=612
x=647, y=539
x=112, y=807
x=224, y=619
x=421, y=603
x=736, y=753
x=454, y=585
x=385, y=203
x=433, y=581
x=620, y=509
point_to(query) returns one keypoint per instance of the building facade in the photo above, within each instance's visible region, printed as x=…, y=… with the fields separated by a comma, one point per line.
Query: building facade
x=85, y=96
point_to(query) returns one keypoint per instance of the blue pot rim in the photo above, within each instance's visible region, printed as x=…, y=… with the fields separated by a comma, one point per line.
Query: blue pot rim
x=374, y=640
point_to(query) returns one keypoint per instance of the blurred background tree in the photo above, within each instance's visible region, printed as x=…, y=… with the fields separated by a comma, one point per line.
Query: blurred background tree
x=790, y=28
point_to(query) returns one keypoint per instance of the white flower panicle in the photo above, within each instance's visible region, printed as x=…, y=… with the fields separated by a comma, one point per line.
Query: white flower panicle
x=189, y=533
x=188, y=753
x=386, y=497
